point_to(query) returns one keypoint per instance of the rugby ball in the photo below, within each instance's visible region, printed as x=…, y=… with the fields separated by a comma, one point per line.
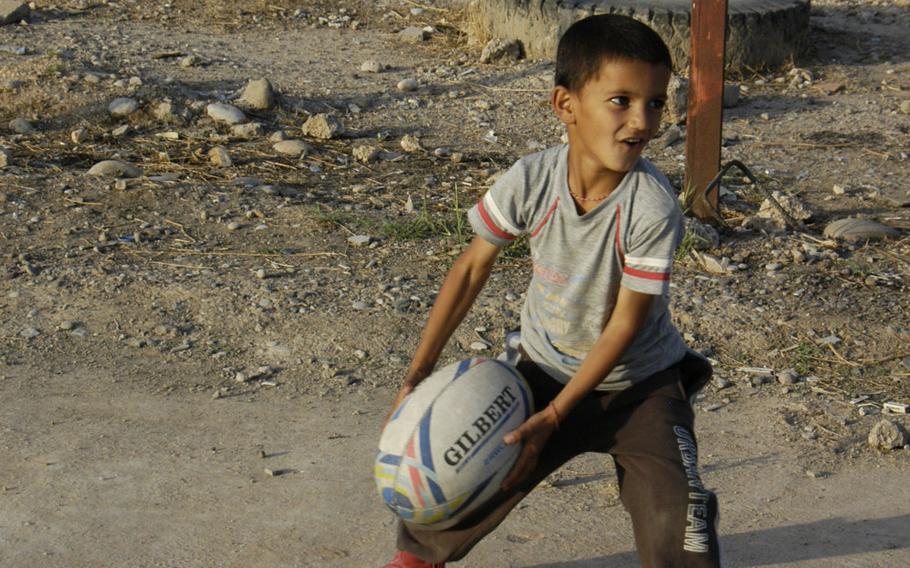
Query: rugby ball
x=441, y=455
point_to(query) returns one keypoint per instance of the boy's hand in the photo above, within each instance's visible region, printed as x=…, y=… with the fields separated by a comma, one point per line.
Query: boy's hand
x=411, y=380
x=534, y=432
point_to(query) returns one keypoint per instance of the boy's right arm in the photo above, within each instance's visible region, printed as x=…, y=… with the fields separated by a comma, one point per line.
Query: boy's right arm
x=456, y=296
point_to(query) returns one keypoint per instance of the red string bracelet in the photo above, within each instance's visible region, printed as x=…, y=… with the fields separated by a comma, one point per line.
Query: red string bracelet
x=555, y=413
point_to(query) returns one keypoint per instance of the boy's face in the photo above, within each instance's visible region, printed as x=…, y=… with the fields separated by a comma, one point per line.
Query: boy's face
x=615, y=114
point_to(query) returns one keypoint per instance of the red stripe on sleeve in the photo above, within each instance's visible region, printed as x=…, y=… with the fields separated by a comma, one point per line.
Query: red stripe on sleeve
x=646, y=275
x=491, y=225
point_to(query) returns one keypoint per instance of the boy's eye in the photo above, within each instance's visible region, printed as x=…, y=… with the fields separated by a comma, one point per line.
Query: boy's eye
x=658, y=104
x=621, y=101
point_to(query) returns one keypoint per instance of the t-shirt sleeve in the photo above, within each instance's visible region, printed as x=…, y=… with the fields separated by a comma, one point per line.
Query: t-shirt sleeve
x=499, y=217
x=649, y=260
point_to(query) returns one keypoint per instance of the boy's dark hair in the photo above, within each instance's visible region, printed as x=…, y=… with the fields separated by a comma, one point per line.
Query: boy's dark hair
x=606, y=37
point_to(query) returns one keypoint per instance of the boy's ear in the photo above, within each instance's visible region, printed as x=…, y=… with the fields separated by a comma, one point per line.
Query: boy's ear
x=563, y=104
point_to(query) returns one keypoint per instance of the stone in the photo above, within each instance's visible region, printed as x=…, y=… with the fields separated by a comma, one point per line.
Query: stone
x=788, y=377
x=731, y=96
x=5, y=157
x=228, y=114
x=677, y=99
x=259, y=94
x=703, y=236
x=794, y=207
x=13, y=12
x=498, y=49
x=360, y=240
x=411, y=144
x=839, y=190
x=322, y=126
x=670, y=136
x=853, y=229
x=887, y=435
x=479, y=346
x=21, y=126
x=79, y=135
x=220, y=158
x=123, y=106
x=407, y=85
x=120, y=131
x=248, y=130
x=713, y=264
x=293, y=148
x=188, y=61
x=167, y=111
x=905, y=106
x=365, y=153
x=278, y=136
x=371, y=66
x=412, y=34
x=114, y=168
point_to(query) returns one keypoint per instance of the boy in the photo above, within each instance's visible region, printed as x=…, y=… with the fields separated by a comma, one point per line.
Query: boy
x=608, y=370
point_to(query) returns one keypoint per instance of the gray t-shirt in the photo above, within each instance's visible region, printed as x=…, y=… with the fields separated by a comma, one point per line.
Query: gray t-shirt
x=580, y=261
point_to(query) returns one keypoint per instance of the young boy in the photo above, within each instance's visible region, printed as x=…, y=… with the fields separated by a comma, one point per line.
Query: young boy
x=608, y=370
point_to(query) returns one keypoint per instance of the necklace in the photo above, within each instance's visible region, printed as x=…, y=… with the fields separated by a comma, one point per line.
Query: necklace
x=580, y=198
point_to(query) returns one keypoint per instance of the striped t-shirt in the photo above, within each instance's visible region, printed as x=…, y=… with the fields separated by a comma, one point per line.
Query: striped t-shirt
x=580, y=261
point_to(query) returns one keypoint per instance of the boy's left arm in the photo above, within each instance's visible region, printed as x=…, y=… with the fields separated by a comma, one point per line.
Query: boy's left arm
x=626, y=319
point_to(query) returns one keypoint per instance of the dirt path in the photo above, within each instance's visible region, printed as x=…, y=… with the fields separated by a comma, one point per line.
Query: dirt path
x=99, y=473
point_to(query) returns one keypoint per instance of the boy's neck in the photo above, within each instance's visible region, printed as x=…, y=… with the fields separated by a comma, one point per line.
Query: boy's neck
x=589, y=181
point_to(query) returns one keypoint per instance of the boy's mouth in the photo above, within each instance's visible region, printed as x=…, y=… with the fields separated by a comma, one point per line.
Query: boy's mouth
x=634, y=142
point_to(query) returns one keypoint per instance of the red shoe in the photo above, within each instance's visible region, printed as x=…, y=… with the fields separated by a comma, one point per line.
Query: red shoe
x=407, y=560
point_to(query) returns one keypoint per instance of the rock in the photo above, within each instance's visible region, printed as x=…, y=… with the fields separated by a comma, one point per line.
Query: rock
x=721, y=383
x=788, y=377
x=411, y=143
x=21, y=126
x=412, y=34
x=702, y=235
x=677, y=99
x=479, y=346
x=220, y=158
x=887, y=435
x=233, y=226
x=360, y=305
x=360, y=240
x=322, y=126
x=229, y=114
x=29, y=333
x=11, y=85
x=905, y=106
x=365, y=153
x=670, y=136
x=259, y=94
x=838, y=190
x=713, y=264
x=790, y=203
x=123, y=106
x=188, y=61
x=293, y=148
x=731, y=96
x=371, y=66
x=853, y=229
x=497, y=49
x=278, y=136
x=120, y=131
x=5, y=157
x=79, y=135
x=114, y=168
x=13, y=12
x=248, y=130
x=167, y=111
x=407, y=85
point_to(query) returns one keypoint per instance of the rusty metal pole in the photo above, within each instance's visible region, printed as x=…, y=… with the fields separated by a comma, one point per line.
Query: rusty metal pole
x=704, y=113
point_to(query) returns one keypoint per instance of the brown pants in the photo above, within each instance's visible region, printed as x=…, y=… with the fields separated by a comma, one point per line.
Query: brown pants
x=648, y=429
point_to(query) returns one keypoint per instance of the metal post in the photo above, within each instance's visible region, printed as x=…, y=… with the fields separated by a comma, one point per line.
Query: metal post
x=704, y=113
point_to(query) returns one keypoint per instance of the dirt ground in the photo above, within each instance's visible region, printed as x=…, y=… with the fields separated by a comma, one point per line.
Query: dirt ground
x=195, y=362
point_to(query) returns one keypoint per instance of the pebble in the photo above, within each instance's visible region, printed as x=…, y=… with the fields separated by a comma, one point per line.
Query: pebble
x=407, y=85
x=293, y=148
x=5, y=157
x=365, y=153
x=120, y=131
x=721, y=383
x=277, y=136
x=322, y=126
x=498, y=49
x=123, y=106
x=830, y=340
x=360, y=240
x=479, y=346
x=233, y=226
x=167, y=111
x=788, y=377
x=360, y=306
x=114, y=168
x=259, y=94
x=91, y=78
x=229, y=114
x=410, y=143
x=248, y=130
x=21, y=126
x=371, y=66
x=905, y=106
x=887, y=435
x=29, y=332
x=773, y=266
x=220, y=158
x=838, y=190
x=412, y=34
x=188, y=61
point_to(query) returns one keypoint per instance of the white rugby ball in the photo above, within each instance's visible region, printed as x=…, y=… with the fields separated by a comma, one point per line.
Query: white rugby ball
x=441, y=455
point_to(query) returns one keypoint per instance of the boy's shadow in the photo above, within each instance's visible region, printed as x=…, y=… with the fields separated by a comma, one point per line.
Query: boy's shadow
x=825, y=539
